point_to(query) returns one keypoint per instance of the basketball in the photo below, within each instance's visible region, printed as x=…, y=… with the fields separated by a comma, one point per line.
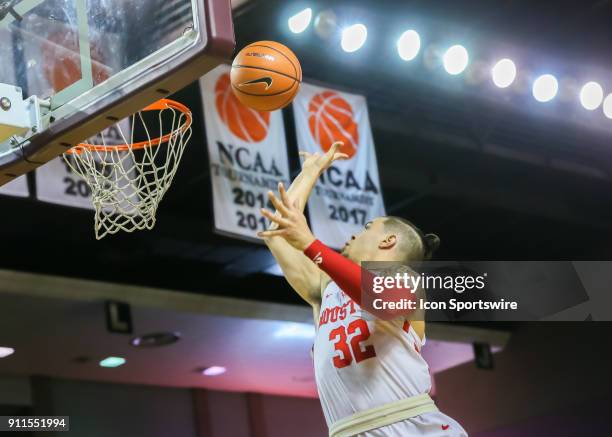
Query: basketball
x=266, y=76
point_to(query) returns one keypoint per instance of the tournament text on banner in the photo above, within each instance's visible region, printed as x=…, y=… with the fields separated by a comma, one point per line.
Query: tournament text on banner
x=247, y=154
x=348, y=193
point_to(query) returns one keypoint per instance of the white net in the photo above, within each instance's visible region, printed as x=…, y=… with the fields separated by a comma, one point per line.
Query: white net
x=128, y=181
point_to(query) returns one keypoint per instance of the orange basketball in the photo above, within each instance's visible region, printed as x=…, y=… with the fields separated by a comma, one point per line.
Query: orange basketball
x=266, y=76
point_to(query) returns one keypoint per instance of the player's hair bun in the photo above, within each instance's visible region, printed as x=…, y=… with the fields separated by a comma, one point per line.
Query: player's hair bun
x=432, y=243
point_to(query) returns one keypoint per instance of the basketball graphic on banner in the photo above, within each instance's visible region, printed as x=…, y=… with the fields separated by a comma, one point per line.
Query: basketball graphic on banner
x=247, y=124
x=331, y=119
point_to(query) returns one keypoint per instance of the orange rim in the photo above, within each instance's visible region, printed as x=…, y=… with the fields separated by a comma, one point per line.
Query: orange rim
x=160, y=105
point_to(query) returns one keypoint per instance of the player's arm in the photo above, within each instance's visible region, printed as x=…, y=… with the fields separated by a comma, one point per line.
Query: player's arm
x=303, y=276
x=348, y=275
x=300, y=273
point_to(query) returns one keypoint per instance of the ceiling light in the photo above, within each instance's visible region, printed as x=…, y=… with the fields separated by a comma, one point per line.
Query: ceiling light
x=156, y=339
x=213, y=371
x=6, y=351
x=354, y=37
x=455, y=60
x=504, y=73
x=591, y=96
x=545, y=88
x=408, y=45
x=295, y=330
x=300, y=21
x=112, y=362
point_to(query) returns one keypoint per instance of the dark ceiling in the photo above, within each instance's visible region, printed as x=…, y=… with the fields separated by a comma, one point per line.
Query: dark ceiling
x=496, y=179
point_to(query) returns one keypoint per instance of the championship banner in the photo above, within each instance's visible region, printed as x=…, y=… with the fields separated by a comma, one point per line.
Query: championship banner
x=17, y=187
x=247, y=154
x=57, y=183
x=348, y=194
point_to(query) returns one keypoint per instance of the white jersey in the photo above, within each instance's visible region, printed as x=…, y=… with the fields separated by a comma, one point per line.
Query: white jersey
x=362, y=364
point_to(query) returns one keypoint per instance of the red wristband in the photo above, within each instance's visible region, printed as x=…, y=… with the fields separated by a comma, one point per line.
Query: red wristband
x=341, y=270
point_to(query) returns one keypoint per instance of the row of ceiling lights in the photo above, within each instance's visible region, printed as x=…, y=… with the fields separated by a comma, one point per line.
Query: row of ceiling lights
x=113, y=362
x=455, y=60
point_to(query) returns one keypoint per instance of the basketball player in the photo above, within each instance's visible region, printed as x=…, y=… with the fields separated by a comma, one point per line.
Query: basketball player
x=371, y=378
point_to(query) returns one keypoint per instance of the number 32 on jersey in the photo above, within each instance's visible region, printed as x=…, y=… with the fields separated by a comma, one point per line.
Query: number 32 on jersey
x=348, y=343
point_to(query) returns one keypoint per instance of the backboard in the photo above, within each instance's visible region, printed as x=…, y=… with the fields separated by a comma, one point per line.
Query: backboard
x=71, y=68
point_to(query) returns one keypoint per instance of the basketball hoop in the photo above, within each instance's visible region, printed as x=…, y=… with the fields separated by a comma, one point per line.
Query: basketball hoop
x=129, y=180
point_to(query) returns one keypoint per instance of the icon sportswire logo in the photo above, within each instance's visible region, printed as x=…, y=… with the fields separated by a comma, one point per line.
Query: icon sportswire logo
x=267, y=80
x=331, y=119
x=245, y=123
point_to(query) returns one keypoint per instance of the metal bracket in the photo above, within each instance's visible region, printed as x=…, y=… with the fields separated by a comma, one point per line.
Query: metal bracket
x=19, y=119
x=13, y=115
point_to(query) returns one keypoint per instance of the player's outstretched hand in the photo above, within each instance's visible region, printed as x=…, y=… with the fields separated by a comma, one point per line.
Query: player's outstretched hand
x=322, y=162
x=292, y=225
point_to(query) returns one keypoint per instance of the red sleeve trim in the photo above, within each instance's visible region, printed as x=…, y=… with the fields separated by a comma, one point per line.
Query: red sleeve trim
x=343, y=271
